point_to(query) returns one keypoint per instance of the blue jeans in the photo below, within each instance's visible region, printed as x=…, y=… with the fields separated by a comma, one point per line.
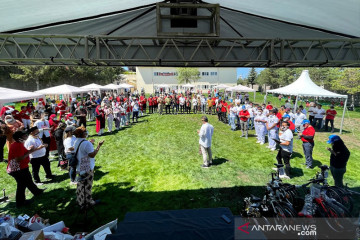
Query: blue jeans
x=251, y=119
x=308, y=149
x=232, y=122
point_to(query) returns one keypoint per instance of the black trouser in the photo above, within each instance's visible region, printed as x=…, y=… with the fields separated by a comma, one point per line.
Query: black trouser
x=311, y=118
x=195, y=109
x=2, y=145
x=326, y=124
x=151, y=109
x=238, y=121
x=283, y=155
x=81, y=122
x=46, y=140
x=182, y=108
x=188, y=109
x=36, y=163
x=177, y=108
x=224, y=117
x=23, y=180
x=167, y=109
x=135, y=115
x=219, y=116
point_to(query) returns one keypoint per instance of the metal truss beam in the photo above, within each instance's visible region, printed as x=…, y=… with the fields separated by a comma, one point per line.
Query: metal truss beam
x=177, y=51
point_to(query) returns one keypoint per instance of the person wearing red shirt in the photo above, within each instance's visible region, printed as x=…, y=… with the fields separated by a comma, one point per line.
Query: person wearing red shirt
x=269, y=106
x=244, y=116
x=150, y=100
x=307, y=137
x=18, y=168
x=223, y=111
x=330, y=116
x=286, y=118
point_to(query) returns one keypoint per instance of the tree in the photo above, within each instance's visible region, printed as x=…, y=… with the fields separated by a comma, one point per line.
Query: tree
x=251, y=79
x=349, y=82
x=269, y=77
x=188, y=75
x=240, y=81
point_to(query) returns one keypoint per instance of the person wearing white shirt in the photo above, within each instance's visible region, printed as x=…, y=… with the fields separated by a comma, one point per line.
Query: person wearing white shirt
x=232, y=116
x=319, y=114
x=260, y=120
x=251, y=118
x=135, y=105
x=194, y=104
x=205, y=133
x=299, y=117
x=85, y=166
x=69, y=141
x=271, y=126
x=303, y=110
x=311, y=112
x=44, y=130
x=38, y=158
x=182, y=104
x=203, y=104
x=287, y=104
x=286, y=148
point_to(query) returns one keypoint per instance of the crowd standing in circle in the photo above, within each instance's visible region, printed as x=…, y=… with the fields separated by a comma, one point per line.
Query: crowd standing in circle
x=60, y=127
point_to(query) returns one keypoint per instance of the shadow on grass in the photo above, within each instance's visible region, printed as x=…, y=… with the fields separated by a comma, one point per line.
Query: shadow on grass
x=218, y=161
x=316, y=163
x=296, y=172
x=119, y=198
x=297, y=155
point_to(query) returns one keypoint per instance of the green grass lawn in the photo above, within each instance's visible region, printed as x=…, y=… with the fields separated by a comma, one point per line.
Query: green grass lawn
x=155, y=165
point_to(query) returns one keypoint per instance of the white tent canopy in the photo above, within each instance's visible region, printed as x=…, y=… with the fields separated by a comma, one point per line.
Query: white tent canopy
x=304, y=86
x=62, y=89
x=240, y=88
x=13, y=95
x=163, y=85
x=112, y=86
x=94, y=86
x=125, y=85
x=222, y=86
x=188, y=85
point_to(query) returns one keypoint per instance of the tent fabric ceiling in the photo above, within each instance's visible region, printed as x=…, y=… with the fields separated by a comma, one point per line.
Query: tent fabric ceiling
x=331, y=15
x=247, y=25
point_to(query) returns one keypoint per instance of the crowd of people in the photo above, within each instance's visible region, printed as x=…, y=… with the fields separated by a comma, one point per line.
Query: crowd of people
x=37, y=133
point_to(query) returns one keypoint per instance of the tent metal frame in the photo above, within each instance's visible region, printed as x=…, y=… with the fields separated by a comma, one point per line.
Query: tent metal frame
x=59, y=50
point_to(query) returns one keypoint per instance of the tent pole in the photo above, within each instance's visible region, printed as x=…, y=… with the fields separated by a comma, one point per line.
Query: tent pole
x=296, y=102
x=265, y=98
x=254, y=95
x=342, y=119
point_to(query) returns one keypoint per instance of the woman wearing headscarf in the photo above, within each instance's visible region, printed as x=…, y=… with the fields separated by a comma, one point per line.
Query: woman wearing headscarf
x=338, y=159
x=100, y=120
x=12, y=126
x=85, y=166
x=18, y=168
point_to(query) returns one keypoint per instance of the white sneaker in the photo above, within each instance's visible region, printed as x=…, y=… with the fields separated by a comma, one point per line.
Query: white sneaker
x=262, y=143
x=273, y=149
x=274, y=168
x=284, y=176
x=268, y=146
x=258, y=142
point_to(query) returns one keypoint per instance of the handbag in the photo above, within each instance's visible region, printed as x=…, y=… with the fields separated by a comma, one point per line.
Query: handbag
x=73, y=161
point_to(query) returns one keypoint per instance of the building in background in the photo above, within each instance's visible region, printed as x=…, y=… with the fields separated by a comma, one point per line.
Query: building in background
x=150, y=78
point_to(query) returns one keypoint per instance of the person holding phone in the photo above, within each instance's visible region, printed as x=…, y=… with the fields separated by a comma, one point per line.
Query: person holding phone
x=85, y=166
x=38, y=158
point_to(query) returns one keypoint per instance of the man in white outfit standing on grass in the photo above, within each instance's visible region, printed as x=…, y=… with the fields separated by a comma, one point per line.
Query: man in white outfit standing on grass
x=205, y=133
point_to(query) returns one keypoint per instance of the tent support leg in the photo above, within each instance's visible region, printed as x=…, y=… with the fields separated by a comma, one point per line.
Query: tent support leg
x=342, y=119
x=254, y=96
x=296, y=102
x=265, y=98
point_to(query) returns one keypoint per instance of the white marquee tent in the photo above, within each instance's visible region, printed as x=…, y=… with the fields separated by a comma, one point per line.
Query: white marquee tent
x=13, y=95
x=125, y=85
x=305, y=87
x=62, y=89
x=188, y=85
x=94, y=86
x=240, y=88
x=221, y=86
x=112, y=86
